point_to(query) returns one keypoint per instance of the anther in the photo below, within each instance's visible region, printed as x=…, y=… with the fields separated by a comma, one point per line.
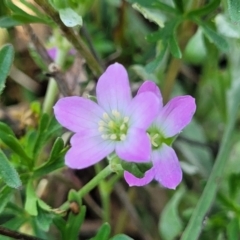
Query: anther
x=125, y=119
x=122, y=137
x=101, y=123
x=101, y=128
x=104, y=136
x=153, y=140
x=113, y=137
x=122, y=127
x=116, y=114
x=105, y=116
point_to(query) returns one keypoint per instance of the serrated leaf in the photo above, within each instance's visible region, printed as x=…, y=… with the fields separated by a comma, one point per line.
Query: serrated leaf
x=6, y=59
x=69, y=17
x=8, y=173
x=234, y=10
x=170, y=225
x=103, y=232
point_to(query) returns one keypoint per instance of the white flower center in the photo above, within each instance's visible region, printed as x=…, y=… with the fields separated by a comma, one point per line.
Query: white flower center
x=113, y=126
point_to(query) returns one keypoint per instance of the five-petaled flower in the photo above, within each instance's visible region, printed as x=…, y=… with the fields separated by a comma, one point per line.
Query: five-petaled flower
x=172, y=118
x=117, y=122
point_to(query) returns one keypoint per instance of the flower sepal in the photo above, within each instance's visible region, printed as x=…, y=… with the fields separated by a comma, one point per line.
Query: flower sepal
x=137, y=169
x=170, y=141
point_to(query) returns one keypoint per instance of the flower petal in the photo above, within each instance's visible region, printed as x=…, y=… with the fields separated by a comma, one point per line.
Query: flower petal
x=87, y=149
x=134, y=181
x=52, y=52
x=136, y=147
x=143, y=110
x=113, y=89
x=166, y=167
x=176, y=115
x=77, y=113
x=150, y=86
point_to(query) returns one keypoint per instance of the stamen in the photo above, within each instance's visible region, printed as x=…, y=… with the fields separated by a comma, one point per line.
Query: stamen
x=122, y=127
x=104, y=136
x=101, y=123
x=105, y=116
x=122, y=137
x=116, y=114
x=153, y=140
x=125, y=119
x=113, y=137
x=100, y=129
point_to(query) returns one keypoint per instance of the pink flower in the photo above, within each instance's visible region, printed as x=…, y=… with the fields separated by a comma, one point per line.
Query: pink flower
x=117, y=122
x=172, y=118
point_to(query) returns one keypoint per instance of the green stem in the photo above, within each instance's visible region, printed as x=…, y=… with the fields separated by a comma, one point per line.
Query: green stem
x=95, y=181
x=72, y=37
x=52, y=89
x=194, y=226
x=105, y=194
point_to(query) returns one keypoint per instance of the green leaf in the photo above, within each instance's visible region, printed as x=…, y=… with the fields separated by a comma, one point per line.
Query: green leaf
x=26, y=19
x=194, y=226
x=121, y=237
x=74, y=223
x=56, y=150
x=16, y=147
x=48, y=168
x=31, y=200
x=179, y=5
x=6, y=60
x=5, y=195
x=69, y=17
x=150, y=67
x=174, y=48
x=8, y=173
x=208, y=8
x=22, y=16
x=214, y=37
x=234, y=10
x=6, y=129
x=233, y=229
x=154, y=4
x=60, y=223
x=103, y=232
x=137, y=169
x=8, y=22
x=170, y=224
x=150, y=14
x=44, y=219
